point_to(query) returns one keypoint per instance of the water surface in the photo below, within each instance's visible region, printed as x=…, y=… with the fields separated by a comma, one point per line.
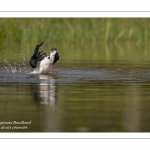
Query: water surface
x=75, y=98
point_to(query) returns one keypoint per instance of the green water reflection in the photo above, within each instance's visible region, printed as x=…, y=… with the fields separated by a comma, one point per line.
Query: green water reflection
x=121, y=52
x=76, y=107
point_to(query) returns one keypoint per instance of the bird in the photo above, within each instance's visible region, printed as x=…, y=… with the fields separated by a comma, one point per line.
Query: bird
x=46, y=62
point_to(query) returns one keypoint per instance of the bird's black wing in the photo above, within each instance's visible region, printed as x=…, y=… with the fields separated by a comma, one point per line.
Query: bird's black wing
x=37, y=56
x=56, y=58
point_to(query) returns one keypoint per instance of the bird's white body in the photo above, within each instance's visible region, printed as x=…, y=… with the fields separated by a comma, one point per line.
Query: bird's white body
x=47, y=63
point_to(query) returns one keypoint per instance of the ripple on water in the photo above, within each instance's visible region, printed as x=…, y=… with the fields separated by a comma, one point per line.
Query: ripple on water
x=26, y=74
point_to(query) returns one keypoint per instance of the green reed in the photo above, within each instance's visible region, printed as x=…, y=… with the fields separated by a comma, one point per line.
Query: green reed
x=72, y=34
x=73, y=29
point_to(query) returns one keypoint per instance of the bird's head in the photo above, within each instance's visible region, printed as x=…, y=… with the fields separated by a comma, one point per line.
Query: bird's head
x=53, y=52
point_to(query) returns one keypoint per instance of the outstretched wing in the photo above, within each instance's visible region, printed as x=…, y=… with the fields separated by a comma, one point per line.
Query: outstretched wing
x=37, y=56
x=56, y=58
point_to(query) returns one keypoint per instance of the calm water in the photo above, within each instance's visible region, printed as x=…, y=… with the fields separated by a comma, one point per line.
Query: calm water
x=89, y=97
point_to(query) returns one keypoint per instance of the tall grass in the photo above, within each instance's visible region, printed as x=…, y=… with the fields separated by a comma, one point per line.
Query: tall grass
x=62, y=29
x=71, y=35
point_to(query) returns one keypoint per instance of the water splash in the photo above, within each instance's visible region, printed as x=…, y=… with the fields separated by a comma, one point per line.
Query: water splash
x=13, y=67
x=35, y=71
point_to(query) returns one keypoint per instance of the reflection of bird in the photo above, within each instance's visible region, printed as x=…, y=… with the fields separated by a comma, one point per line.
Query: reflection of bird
x=46, y=62
x=46, y=92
